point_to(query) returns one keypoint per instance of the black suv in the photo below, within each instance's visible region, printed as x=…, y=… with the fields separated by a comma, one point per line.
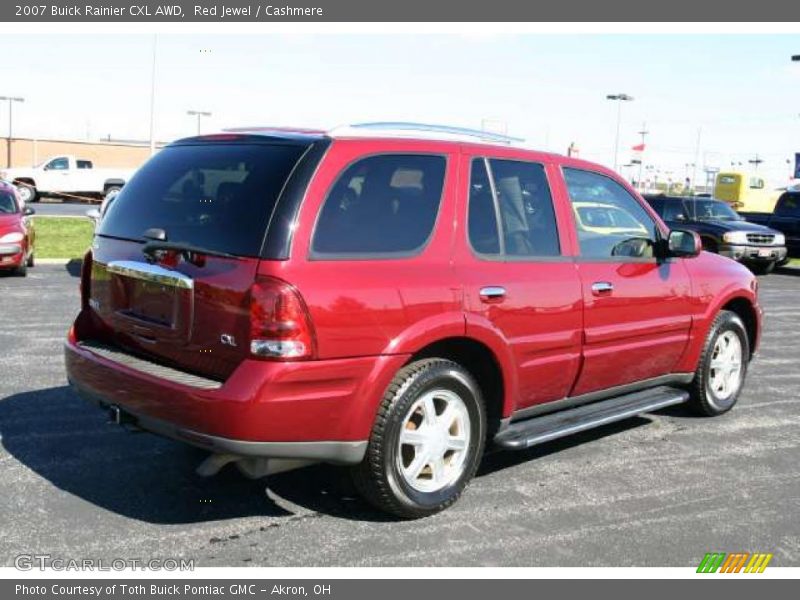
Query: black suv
x=723, y=231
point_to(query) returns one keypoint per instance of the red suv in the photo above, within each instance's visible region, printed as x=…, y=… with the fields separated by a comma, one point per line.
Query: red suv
x=396, y=297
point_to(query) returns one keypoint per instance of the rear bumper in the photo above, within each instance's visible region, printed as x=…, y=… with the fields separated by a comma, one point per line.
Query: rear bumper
x=745, y=253
x=326, y=451
x=316, y=410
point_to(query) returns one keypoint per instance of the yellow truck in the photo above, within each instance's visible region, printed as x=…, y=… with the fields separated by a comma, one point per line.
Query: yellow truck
x=745, y=191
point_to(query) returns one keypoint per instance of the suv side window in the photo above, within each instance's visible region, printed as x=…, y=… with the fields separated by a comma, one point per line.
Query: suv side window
x=382, y=204
x=484, y=234
x=788, y=205
x=611, y=223
x=83, y=164
x=519, y=194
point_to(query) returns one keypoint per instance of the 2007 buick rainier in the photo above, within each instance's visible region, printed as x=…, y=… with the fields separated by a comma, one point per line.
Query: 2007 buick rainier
x=398, y=298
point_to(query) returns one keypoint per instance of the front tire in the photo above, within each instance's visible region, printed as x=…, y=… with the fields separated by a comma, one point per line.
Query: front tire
x=427, y=440
x=722, y=369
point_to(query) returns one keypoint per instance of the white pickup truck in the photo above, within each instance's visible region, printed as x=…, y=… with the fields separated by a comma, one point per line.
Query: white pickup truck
x=66, y=175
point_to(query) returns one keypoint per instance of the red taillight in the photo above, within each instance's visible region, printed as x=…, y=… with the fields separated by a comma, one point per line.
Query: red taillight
x=86, y=279
x=280, y=326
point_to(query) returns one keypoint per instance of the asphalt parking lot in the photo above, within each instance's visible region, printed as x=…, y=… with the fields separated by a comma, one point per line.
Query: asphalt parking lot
x=655, y=491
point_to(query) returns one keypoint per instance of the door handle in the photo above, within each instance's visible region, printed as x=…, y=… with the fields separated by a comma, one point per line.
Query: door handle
x=492, y=293
x=600, y=288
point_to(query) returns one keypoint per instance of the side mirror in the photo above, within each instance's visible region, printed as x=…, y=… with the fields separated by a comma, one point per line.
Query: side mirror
x=28, y=211
x=683, y=243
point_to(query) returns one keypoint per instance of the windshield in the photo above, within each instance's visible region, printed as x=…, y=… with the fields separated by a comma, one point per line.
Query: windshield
x=213, y=196
x=8, y=204
x=714, y=210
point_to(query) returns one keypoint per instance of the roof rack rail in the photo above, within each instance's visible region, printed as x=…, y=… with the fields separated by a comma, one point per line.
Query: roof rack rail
x=404, y=128
x=276, y=129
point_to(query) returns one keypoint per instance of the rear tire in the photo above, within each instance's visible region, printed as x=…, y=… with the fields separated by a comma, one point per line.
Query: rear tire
x=427, y=440
x=111, y=192
x=27, y=193
x=722, y=368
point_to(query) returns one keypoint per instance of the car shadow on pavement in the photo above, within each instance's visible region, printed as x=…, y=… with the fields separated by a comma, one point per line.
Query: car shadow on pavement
x=70, y=444
x=73, y=267
x=792, y=271
x=497, y=460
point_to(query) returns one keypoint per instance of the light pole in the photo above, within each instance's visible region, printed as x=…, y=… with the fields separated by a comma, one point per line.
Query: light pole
x=619, y=99
x=11, y=100
x=199, y=114
x=153, y=98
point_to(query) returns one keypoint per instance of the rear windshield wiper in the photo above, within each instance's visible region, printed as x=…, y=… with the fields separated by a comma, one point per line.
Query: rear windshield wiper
x=150, y=248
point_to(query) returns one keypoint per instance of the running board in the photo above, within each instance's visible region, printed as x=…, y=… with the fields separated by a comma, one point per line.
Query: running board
x=537, y=430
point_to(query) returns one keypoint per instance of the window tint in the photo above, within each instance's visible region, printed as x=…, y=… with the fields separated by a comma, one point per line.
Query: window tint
x=58, y=164
x=482, y=219
x=788, y=205
x=526, y=208
x=8, y=204
x=673, y=210
x=714, y=210
x=217, y=196
x=382, y=205
x=624, y=230
x=83, y=164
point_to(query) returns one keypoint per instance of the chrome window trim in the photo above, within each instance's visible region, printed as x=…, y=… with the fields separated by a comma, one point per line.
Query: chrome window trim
x=152, y=273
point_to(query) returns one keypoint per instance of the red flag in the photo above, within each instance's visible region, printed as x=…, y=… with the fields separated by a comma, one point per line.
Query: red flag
x=638, y=148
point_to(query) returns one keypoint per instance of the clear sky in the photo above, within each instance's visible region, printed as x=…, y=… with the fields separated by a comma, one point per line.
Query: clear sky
x=742, y=91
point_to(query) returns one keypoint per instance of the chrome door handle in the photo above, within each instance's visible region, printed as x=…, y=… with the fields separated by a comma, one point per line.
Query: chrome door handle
x=493, y=293
x=602, y=287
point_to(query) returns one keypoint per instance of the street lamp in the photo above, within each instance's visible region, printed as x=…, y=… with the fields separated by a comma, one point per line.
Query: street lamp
x=619, y=99
x=199, y=114
x=11, y=100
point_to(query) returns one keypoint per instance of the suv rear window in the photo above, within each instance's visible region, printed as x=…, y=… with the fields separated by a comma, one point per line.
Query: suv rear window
x=216, y=196
x=384, y=204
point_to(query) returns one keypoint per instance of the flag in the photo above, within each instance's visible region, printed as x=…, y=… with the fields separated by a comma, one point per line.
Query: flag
x=638, y=148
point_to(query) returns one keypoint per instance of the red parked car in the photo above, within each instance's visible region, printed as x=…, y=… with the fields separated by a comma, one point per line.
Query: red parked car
x=395, y=297
x=17, y=235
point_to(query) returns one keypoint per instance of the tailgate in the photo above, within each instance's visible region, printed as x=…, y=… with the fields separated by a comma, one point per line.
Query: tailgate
x=191, y=317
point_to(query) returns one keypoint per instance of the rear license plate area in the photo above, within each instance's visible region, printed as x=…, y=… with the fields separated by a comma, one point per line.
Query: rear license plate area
x=151, y=302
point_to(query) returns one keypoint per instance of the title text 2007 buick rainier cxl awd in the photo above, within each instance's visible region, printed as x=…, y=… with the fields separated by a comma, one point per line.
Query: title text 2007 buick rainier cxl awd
x=395, y=297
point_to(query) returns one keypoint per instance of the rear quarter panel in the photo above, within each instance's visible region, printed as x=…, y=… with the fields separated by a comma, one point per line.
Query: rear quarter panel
x=376, y=305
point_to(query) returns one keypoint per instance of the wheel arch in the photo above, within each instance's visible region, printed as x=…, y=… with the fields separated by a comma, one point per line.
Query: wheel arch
x=113, y=182
x=481, y=362
x=745, y=310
